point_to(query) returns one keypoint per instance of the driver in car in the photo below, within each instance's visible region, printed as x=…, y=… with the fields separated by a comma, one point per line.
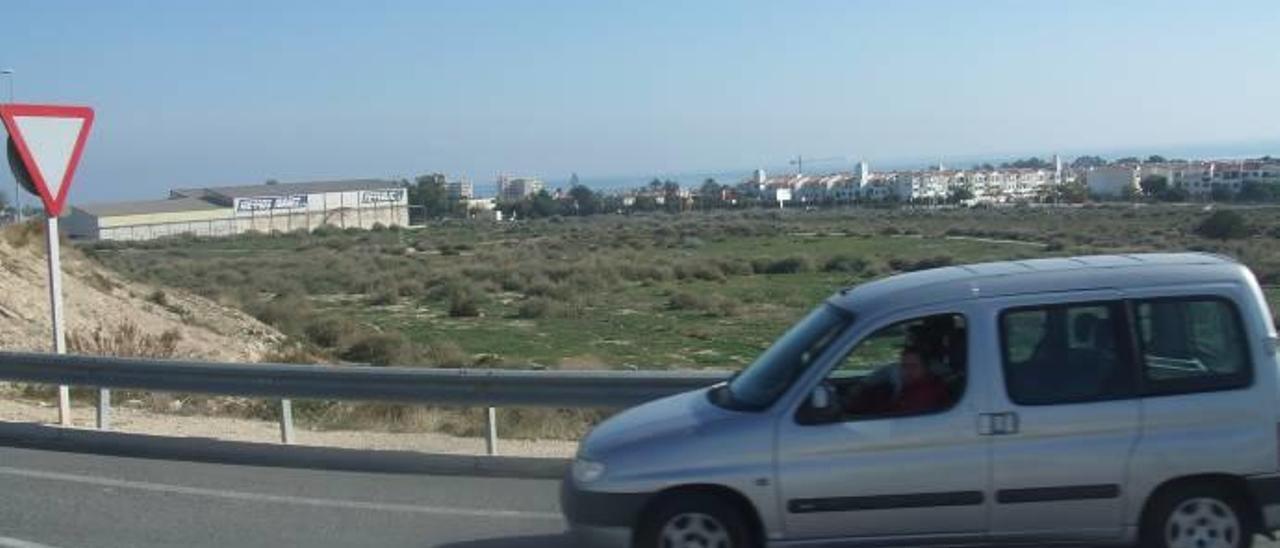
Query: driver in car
x=921, y=390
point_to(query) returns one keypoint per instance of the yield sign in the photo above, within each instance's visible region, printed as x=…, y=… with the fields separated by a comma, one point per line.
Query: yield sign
x=49, y=140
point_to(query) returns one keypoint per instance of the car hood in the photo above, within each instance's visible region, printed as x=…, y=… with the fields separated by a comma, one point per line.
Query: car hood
x=687, y=413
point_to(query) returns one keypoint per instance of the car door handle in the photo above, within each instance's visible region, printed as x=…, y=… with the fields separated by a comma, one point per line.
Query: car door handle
x=998, y=424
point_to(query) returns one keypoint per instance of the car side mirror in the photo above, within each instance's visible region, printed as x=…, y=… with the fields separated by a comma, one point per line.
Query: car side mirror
x=820, y=398
x=820, y=407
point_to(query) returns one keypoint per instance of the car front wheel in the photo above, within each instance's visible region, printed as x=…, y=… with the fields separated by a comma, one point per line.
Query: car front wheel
x=694, y=520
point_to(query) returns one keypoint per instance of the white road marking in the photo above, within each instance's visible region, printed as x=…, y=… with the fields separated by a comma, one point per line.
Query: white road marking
x=263, y=497
x=8, y=542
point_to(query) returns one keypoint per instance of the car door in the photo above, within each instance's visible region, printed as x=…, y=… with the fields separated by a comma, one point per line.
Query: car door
x=1064, y=418
x=890, y=474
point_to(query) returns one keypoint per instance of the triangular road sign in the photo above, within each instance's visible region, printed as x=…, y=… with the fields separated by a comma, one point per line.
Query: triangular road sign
x=49, y=140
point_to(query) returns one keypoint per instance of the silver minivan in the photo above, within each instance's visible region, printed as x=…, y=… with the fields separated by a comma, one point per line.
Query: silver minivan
x=1095, y=400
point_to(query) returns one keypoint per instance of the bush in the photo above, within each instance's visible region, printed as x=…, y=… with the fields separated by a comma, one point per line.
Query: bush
x=907, y=265
x=158, y=297
x=125, y=340
x=381, y=349
x=788, y=265
x=847, y=264
x=384, y=297
x=446, y=354
x=330, y=331
x=465, y=300
x=699, y=270
x=285, y=312
x=1223, y=225
x=537, y=307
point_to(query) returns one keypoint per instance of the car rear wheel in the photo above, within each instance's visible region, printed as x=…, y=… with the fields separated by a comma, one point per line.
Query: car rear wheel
x=1198, y=517
x=694, y=520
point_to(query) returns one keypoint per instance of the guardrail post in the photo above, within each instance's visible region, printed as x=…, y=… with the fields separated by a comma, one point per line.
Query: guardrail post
x=104, y=409
x=491, y=430
x=64, y=405
x=286, y=422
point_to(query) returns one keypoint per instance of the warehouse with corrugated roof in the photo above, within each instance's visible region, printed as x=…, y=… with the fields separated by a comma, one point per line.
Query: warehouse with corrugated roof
x=224, y=211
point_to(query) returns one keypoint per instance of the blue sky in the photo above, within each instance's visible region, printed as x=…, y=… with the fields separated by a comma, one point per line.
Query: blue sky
x=227, y=92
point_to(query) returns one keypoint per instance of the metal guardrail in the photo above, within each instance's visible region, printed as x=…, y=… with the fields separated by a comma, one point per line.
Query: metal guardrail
x=489, y=388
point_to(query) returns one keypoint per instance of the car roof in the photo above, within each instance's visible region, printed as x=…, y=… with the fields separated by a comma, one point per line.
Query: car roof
x=955, y=283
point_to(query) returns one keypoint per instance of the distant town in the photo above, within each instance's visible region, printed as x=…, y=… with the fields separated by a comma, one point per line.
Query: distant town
x=375, y=203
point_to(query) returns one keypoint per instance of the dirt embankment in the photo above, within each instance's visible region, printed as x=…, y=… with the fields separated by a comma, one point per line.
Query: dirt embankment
x=97, y=300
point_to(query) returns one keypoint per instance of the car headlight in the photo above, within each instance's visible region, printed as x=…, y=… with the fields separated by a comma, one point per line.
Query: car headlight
x=587, y=471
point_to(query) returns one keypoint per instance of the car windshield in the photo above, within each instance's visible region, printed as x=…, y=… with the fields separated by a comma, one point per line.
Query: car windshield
x=773, y=372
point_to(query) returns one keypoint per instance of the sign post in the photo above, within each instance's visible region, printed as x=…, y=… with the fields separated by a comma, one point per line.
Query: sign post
x=45, y=142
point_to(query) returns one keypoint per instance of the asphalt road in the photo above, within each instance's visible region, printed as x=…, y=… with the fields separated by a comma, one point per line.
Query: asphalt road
x=71, y=500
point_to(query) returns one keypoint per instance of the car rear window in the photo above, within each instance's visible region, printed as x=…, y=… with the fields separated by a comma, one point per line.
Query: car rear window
x=1191, y=344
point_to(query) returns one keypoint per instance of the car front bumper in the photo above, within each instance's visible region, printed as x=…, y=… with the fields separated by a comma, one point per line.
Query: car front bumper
x=598, y=519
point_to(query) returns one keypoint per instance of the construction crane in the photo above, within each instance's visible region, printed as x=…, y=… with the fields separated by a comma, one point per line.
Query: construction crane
x=799, y=162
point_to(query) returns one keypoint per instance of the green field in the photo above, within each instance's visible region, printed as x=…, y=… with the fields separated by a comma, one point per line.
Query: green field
x=659, y=291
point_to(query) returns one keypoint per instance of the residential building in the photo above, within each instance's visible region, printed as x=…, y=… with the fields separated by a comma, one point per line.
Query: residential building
x=1114, y=181
x=460, y=190
x=1202, y=177
x=514, y=189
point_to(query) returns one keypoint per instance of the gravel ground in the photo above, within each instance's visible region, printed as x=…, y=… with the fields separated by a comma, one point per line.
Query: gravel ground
x=138, y=421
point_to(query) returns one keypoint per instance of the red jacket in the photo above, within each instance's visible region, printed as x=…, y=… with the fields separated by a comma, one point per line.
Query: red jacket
x=927, y=394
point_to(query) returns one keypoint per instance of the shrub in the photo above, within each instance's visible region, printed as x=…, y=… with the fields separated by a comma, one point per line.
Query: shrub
x=409, y=288
x=381, y=349
x=699, y=270
x=788, y=265
x=286, y=312
x=907, y=265
x=642, y=272
x=464, y=300
x=125, y=340
x=158, y=297
x=537, y=307
x=1223, y=225
x=446, y=354
x=23, y=234
x=330, y=331
x=384, y=297
x=691, y=242
x=846, y=263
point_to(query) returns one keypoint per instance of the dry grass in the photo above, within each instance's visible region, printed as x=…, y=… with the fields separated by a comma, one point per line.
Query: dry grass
x=125, y=340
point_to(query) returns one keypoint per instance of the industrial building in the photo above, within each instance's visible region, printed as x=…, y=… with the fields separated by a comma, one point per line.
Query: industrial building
x=224, y=211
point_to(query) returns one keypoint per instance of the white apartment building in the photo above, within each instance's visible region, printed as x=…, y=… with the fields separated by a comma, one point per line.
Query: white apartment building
x=996, y=186
x=460, y=190
x=1201, y=177
x=1114, y=181
x=514, y=189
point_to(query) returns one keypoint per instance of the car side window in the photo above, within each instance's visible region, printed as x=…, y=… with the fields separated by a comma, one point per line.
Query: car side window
x=1057, y=354
x=914, y=367
x=1191, y=344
